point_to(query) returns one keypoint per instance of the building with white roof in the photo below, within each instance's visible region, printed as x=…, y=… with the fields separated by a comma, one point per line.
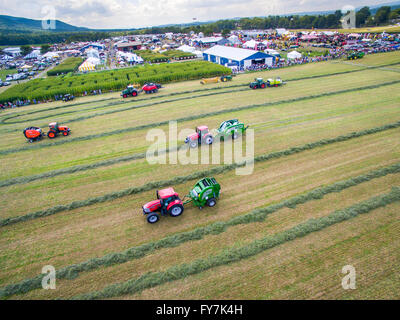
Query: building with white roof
x=240, y=57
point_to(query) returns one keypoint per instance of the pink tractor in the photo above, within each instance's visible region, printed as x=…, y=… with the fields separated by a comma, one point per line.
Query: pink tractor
x=201, y=136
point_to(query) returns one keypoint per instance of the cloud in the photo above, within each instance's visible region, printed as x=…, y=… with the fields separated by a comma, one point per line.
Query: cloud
x=142, y=13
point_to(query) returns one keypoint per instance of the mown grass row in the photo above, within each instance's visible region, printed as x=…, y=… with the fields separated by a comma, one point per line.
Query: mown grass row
x=196, y=175
x=73, y=271
x=190, y=118
x=91, y=166
x=153, y=279
x=4, y=120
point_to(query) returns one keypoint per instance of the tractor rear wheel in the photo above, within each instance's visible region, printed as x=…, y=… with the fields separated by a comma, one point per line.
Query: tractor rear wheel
x=153, y=218
x=175, y=210
x=211, y=202
x=51, y=134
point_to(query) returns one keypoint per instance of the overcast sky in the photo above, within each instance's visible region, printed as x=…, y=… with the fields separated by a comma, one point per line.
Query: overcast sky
x=142, y=13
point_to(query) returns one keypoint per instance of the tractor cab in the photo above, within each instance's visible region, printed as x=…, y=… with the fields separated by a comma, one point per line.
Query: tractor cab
x=53, y=126
x=202, y=132
x=166, y=196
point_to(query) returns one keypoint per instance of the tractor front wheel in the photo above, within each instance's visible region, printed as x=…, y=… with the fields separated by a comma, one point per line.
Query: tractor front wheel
x=125, y=96
x=211, y=202
x=176, y=210
x=193, y=144
x=134, y=94
x=65, y=133
x=153, y=218
x=263, y=86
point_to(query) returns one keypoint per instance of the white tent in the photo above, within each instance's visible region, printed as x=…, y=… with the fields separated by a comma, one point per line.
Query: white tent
x=234, y=39
x=250, y=44
x=294, y=55
x=93, y=60
x=92, y=53
x=33, y=55
x=186, y=48
x=50, y=55
x=86, y=66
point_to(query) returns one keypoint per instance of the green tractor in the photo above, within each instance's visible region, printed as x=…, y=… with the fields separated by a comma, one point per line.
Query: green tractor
x=231, y=128
x=226, y=78
x=355, y=55
x=258, y=83
x=130, y=91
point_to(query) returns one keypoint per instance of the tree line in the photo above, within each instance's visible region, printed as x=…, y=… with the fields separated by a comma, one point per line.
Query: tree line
x=364, y=18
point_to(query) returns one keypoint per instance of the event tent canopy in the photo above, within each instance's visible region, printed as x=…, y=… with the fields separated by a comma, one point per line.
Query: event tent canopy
x=294, y=55
x=86, y=66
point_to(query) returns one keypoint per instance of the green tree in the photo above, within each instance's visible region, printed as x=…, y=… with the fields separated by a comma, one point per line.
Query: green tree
x=226, y=32
x=362, y=15
x=45, y=48
x=382, y=15
x=26, y=50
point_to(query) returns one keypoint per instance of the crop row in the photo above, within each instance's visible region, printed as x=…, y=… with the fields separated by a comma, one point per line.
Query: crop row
x=187, y=118
x=156, y=57
x=196, y=175
x=153, y=279
x=72, y=271
x=68, y=65
x=111, y=80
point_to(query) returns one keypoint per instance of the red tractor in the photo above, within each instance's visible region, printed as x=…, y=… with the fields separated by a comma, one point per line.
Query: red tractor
x=201, y=136
x=55, y=129
x=167, y=203
x=35, y=133
x=151, y=87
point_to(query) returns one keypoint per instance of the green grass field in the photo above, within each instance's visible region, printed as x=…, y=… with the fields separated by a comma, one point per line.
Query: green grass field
x=322, y=194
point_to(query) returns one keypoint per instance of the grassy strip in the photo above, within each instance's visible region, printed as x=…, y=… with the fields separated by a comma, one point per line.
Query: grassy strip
x=153, y=279
x=192, y=117
x=190, y=177
x=68, y=65
x=3, y=121
x=72, y=271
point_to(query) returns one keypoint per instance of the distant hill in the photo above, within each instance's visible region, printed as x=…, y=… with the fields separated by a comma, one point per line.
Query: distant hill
x=10, y=23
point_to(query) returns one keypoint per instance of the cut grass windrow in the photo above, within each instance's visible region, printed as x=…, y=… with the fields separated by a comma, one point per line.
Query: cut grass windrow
x=4, y=120
x=72, y=271
x=193, y=117
x=153, y=279
x=196, y=175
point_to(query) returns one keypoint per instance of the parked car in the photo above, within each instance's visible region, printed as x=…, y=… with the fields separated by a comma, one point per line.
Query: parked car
x=6, y=83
